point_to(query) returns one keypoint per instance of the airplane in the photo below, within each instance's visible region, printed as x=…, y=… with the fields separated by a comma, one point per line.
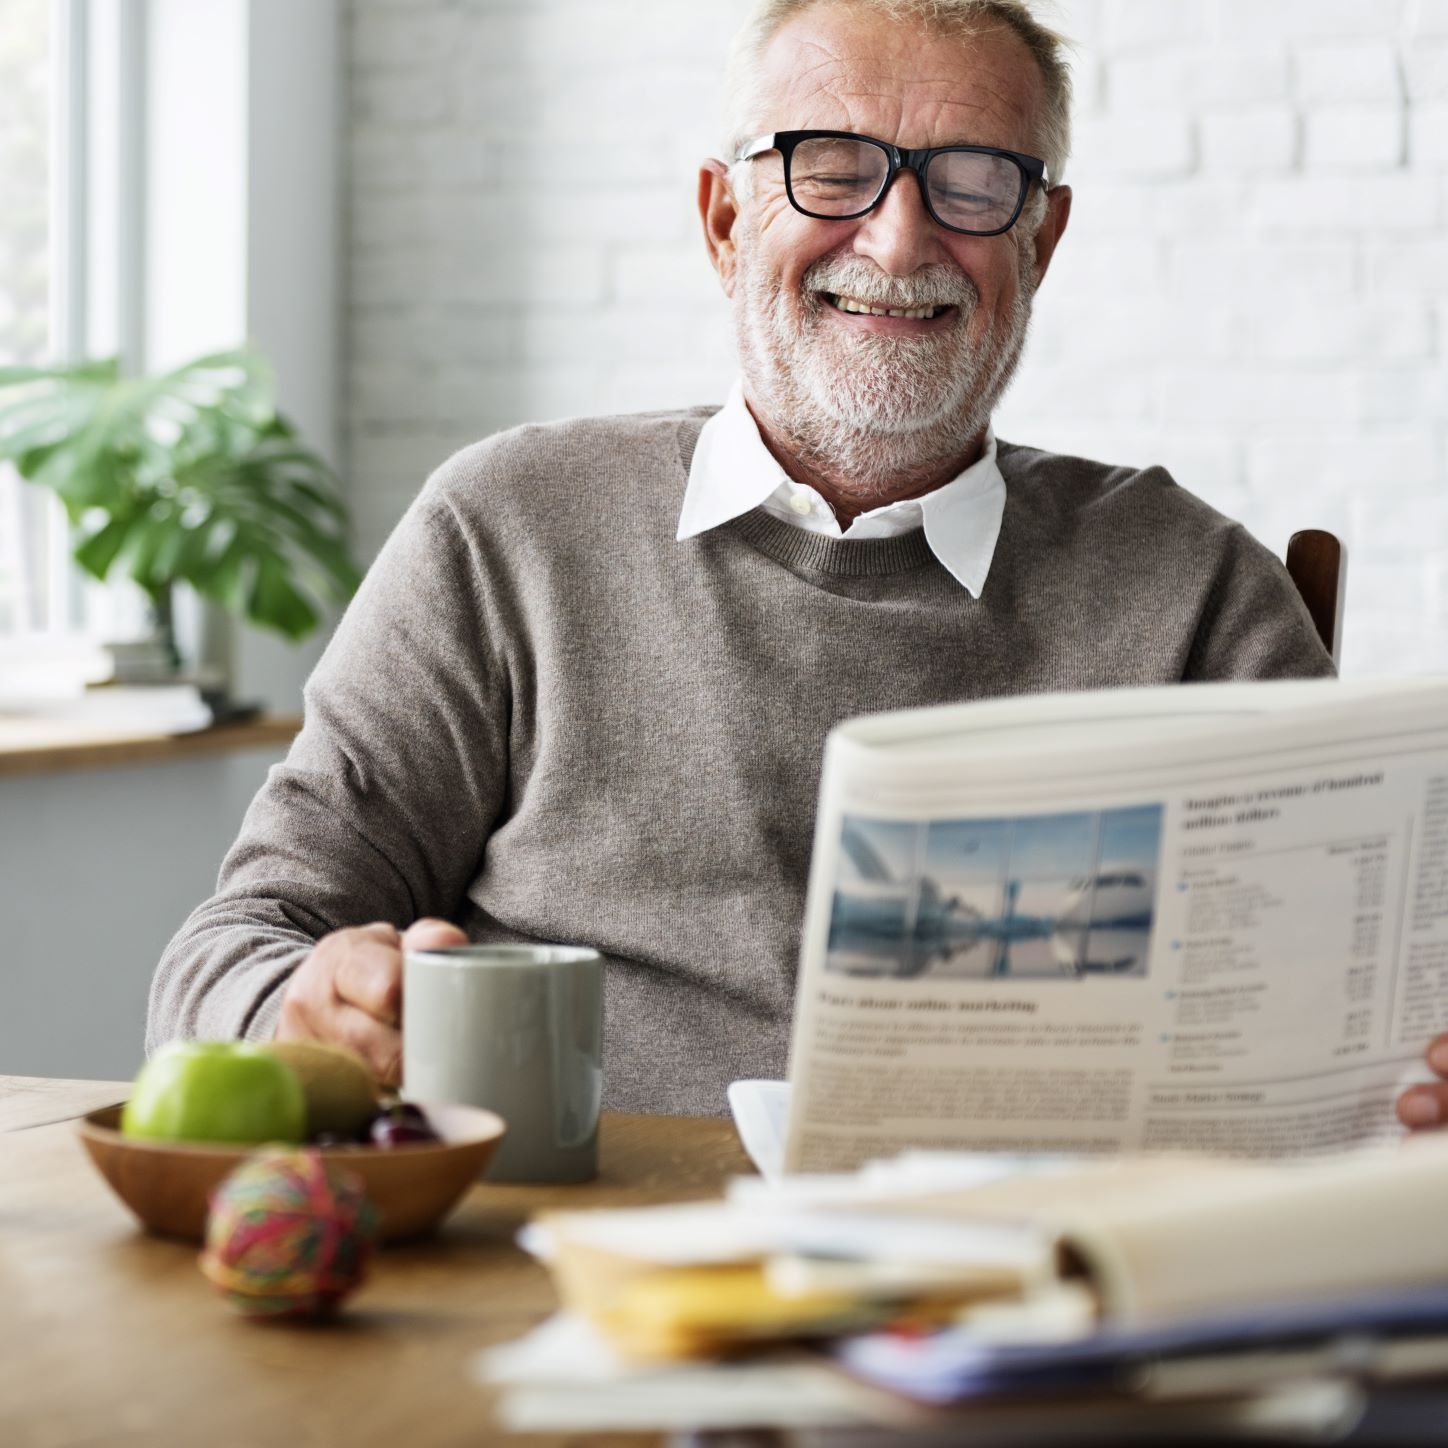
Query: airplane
x=1116, y=896
x=1100, y=924
x=870, y=901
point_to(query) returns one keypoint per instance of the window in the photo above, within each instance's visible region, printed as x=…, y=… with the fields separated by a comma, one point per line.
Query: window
x=69, y=207
x=32, y=587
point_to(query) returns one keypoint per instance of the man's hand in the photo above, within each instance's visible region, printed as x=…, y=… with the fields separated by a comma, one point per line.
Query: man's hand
x=1423, y=1107
x=349, y=990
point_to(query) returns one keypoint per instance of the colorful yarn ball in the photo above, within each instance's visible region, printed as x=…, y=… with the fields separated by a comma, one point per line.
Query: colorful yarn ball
x=288, y=1235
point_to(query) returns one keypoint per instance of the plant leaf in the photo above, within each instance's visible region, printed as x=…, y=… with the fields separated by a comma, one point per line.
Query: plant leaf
x=201, y=478
x=103, y=370
x=228, y=579
x=43, y=419
x=98, y=552
x=275, y=602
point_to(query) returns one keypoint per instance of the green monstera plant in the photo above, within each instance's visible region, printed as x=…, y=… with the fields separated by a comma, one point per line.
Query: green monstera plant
x=191, y=477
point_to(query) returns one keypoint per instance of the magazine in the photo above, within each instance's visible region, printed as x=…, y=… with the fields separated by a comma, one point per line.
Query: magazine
x=1208, y=918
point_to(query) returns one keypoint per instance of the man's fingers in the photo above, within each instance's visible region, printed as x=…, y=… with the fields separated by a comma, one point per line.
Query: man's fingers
x=349, y=990
x=1438, y=1055
x=369, y=976
x=381, y=931
x=1423, y=1107
x=380, y=1046
x=430, y=934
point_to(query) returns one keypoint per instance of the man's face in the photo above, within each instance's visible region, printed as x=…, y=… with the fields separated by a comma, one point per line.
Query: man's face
x=881, y=395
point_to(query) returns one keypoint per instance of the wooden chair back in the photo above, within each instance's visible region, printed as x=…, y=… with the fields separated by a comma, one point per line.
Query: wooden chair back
x=1317, y=562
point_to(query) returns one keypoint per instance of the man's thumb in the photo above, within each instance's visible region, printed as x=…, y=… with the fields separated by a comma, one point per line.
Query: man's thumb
x=429, y=934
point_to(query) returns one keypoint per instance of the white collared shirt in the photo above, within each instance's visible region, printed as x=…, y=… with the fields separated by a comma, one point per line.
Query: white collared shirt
x=732, y=472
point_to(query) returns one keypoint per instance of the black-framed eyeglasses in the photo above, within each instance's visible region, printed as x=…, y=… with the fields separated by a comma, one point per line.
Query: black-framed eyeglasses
x=838, y=175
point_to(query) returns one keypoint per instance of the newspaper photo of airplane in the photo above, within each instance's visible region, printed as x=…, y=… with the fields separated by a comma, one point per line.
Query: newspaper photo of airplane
x=992, y=898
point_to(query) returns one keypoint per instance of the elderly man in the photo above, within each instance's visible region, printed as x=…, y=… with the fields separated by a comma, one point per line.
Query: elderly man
x=583, y=692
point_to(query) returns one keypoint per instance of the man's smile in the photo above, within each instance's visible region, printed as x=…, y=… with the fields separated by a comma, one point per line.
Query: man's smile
x=862, y=314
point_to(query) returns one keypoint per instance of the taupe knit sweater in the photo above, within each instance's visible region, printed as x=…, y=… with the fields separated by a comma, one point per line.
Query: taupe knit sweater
x=545, y=718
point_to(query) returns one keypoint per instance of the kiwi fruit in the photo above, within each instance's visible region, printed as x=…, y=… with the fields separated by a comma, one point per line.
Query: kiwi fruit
x=339, y=1086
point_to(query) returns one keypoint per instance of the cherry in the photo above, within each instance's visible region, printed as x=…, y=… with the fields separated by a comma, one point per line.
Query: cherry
x=401, y=1125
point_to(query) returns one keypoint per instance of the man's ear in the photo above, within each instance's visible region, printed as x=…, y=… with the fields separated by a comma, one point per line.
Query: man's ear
x=1058, y=212
x=719, y=210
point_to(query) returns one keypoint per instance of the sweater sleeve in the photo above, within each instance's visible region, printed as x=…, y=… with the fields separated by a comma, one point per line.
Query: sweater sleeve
x=381, y=809
x=1254, y=624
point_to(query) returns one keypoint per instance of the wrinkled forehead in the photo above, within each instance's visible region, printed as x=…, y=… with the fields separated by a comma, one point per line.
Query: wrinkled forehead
x=838, y=68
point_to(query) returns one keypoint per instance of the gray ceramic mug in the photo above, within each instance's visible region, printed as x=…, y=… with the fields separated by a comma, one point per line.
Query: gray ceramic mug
x=517, y=1029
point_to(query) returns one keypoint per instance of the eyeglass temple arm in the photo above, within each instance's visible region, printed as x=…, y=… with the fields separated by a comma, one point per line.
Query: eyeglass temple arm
x=755, y=148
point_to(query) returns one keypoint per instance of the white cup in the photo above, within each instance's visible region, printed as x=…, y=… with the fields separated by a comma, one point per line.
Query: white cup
x=517, y=1029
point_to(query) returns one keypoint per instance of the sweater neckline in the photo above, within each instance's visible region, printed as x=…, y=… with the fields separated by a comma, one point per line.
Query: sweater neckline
x=854, y=557
x=796, y=547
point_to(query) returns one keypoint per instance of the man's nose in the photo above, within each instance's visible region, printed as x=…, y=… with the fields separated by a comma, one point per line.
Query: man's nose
x=899, y=235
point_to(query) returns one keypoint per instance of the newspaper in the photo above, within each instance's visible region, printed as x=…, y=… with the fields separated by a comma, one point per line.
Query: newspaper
x=1206, y=918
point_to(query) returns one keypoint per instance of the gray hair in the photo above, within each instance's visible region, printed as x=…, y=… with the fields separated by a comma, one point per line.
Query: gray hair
x=950, y=17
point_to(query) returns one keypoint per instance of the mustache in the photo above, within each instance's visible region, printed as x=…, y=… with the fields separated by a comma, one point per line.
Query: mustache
x=937, y=286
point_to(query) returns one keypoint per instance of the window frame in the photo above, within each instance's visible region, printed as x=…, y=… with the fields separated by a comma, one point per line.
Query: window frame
x=96, y=244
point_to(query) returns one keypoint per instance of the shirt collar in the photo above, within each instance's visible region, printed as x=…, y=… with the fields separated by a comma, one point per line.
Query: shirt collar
x=733, y=472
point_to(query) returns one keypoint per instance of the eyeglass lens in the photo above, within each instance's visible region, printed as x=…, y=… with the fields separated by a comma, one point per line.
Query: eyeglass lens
x=833, y=177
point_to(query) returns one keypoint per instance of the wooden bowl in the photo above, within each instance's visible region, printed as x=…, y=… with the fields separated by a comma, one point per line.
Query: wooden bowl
x=168, y=1184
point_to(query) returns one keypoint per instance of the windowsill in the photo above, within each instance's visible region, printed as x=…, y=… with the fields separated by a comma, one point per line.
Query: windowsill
x=50, y=746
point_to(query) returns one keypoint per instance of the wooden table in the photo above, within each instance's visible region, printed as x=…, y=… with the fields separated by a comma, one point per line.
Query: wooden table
x=112, y=1337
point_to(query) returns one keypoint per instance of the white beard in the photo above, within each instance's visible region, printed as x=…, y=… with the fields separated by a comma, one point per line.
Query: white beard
x=869, y=411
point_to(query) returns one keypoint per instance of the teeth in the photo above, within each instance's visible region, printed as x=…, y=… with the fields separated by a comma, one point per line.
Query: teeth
x=848, y=304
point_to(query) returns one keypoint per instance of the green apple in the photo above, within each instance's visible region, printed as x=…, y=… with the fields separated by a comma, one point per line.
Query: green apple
x=216, y=1091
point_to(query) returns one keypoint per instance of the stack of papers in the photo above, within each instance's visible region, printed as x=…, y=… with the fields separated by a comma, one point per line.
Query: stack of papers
x=943, y=1283
x=116, y=710
x=761, y=1117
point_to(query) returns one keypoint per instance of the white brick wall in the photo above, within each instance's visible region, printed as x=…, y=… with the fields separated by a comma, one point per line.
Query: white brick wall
x=1253, y=290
